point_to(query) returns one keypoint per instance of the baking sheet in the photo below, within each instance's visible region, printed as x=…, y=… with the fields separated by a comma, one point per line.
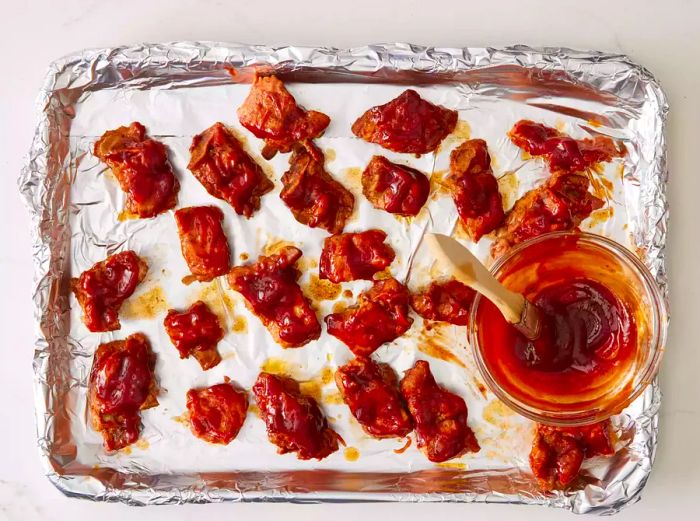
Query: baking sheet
x=178, y=90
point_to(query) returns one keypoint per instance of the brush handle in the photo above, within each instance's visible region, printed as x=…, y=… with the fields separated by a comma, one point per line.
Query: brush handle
x=467, y=269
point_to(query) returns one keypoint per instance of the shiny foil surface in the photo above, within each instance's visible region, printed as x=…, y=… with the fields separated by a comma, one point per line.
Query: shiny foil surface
x=177, y=90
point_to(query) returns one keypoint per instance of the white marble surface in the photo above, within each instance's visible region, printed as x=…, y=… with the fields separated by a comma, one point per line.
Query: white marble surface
x=663, y=36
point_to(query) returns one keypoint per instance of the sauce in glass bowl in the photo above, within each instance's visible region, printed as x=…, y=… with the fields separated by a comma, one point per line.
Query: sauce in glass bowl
x=603, y=330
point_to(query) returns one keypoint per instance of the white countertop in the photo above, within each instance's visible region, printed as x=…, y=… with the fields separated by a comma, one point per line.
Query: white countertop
x=662, y=36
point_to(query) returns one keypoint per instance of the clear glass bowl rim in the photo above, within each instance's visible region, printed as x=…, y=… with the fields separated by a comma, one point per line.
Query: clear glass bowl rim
x=659, y=327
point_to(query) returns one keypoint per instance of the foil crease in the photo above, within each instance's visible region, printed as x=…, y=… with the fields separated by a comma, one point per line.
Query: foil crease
x=513, y=72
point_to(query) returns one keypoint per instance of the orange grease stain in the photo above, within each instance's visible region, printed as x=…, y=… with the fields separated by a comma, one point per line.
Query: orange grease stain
x=353, y=178
x=142, y=444
x=438, y=184
x=126, y=215
x=508, y=185
x=351, y=454
x=333, y=399
x=274, y=245
x=146, y=306
x=214, y=296
x=240, y=325
x=453, y=465
x=339, y=307
x=434, y=342
x=600, y=217
x=462, y=130
x=317, y=289
x=405, y=446
x=183, y=419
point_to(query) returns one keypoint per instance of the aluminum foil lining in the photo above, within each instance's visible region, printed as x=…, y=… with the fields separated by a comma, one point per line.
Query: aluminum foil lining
x=179, y=89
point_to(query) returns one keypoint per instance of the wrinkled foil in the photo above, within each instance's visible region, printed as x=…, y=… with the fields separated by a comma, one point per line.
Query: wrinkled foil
x=174, y=84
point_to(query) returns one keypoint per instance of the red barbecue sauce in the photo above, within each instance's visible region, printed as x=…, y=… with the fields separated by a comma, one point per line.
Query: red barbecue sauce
x=588, y=337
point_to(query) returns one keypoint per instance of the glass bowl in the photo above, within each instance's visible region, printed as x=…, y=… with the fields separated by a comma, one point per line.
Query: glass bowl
x=597, y=258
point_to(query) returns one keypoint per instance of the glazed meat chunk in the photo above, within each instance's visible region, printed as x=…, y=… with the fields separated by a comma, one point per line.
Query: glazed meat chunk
x=371, y=391
x=203, y=242
x=227, y=172
x=380, y=316
x=271, y=113
x=141, y=166
x=561, y=203
x=272, y=293
x=408, y=123
x=475, y=189
x=557, y=452
x=102, y=289
x=448, y=301
x=195, y=332
x=563, y=153
x=313, y=196
x=395, y=188
x=440, y=416
x=294, y=421
x=353, y=256
x=217, y=413
x=122, y=383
